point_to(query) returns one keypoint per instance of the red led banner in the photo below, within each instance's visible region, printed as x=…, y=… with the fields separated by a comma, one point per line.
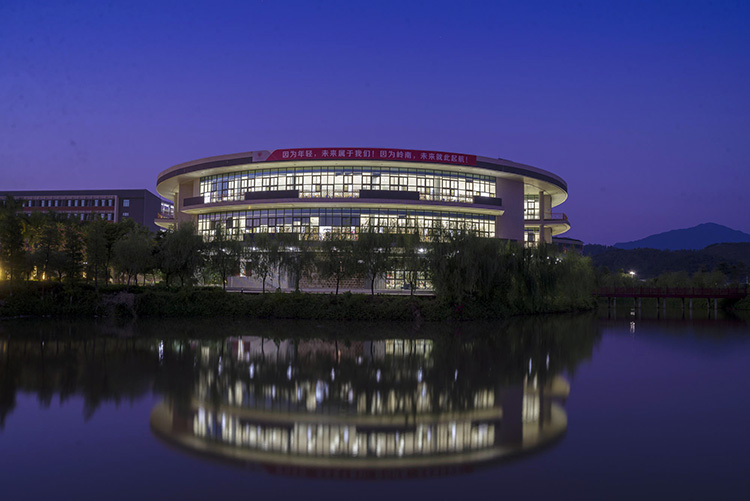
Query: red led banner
x=440, y=157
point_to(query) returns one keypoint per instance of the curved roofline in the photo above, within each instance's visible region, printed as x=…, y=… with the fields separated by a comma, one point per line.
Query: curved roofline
x=261, y=156
x=502, y=165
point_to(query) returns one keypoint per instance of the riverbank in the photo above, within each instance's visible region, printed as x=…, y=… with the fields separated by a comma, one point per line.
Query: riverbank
x=84, y=301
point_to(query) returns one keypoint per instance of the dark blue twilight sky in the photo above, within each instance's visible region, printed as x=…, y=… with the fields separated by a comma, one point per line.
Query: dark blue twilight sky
x=642, y=107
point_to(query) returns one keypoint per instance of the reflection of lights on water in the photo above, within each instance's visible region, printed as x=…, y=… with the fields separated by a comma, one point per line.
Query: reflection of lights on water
x=419, y=375
x=377, y=376
x=548, y=360
x=220, y=365
x=161, y=351
x=273, y=391
x=321, y=391
x=351, y=396
x=333, y=374
x=252, y=371
x=455, y=375
x=289, y=373
x=529, y=366
x=632, y=327
x=359, y=360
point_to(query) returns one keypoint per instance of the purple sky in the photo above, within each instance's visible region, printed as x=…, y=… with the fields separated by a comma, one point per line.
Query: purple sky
x=642, y=107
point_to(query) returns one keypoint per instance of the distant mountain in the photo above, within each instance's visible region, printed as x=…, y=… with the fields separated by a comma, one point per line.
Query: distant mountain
x=695, y=238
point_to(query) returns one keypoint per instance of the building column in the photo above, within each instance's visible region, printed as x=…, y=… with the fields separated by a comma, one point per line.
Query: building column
x=510, y=225
x=542, y=211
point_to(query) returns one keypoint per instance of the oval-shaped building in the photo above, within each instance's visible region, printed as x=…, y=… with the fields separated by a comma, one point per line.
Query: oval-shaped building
x=320, y=190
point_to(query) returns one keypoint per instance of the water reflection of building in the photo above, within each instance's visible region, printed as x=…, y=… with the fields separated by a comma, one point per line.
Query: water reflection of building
x=361, y=409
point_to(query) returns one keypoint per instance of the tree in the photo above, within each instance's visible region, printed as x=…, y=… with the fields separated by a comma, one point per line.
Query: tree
x=297, y=257
x=133, y=254
x=180, y=253
x=47, y=244
x=453, y=263
x=114, y=232
x=72, y=250
x=374, y=253
x=466, y=266
x=224, y=255
x=336, y=260
x=95, y=237
x=12, y=244
x=258, y=258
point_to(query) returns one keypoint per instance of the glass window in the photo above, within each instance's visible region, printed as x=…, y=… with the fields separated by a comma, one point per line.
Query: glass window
x=531, y=207
x=126, y=203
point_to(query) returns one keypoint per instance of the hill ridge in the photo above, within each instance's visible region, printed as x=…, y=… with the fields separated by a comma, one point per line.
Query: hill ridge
x=693, y=238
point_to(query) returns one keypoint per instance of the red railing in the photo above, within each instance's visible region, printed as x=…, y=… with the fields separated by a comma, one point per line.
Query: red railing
x=678, y=292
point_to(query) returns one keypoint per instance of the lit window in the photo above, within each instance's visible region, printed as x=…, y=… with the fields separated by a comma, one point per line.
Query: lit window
x=126, y=203
x=125, y=214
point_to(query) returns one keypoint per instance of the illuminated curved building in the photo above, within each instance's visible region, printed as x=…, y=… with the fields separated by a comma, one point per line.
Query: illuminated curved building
x=320, y=190
x=364, y=410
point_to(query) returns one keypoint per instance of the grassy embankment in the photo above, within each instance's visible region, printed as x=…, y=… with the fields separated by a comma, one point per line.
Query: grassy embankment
x=59, y=300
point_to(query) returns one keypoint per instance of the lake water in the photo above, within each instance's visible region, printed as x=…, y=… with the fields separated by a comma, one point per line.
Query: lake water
x=626, y=406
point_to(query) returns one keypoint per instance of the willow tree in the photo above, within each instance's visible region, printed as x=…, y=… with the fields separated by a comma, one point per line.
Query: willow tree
x=224, y=254
x=374, y=252
x=258, y=259
x=180, y=253
x=336, y=260
x=297, y=257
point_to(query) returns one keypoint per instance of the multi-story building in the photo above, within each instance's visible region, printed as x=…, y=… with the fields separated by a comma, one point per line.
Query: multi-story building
x=320, y=190
x=111, y=205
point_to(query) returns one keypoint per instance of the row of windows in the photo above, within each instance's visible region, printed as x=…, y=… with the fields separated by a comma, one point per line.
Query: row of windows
x=345, y=182
x=319, y=222
x=326, y=440
x=91, y=216
x=68, y=202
